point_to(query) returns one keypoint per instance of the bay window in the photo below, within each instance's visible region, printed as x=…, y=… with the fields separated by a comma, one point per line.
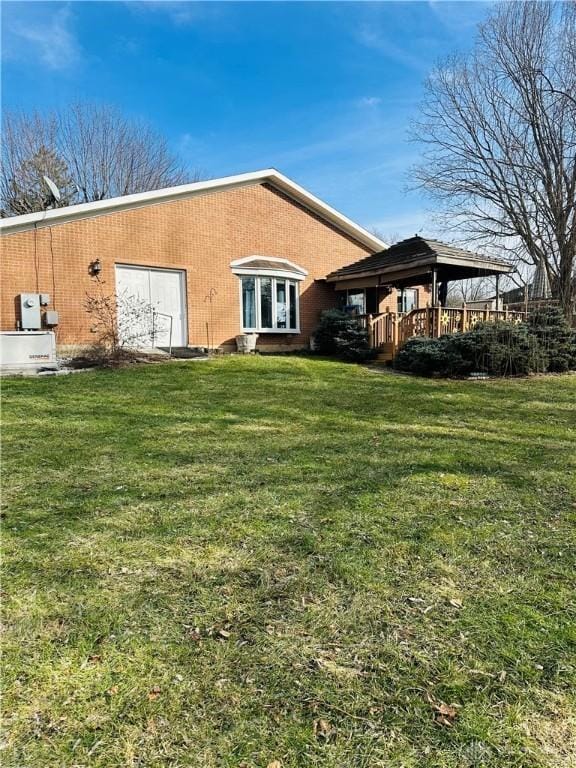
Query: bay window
x=269, y=294
x=269, y=304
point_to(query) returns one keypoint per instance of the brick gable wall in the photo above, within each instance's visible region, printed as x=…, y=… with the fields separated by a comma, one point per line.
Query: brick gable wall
x=200, y=235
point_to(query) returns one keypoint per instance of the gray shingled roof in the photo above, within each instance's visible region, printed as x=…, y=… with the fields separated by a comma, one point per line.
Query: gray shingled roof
x=415, y=250
x=265, y=264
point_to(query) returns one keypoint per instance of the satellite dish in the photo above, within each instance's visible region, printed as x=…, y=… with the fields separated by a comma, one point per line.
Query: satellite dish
x=52, y=187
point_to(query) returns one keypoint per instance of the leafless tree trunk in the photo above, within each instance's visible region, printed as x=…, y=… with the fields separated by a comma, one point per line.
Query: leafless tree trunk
x=94, y=150
x=499, y=131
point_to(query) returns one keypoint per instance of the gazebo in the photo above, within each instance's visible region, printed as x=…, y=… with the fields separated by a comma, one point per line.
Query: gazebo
x=414, y=262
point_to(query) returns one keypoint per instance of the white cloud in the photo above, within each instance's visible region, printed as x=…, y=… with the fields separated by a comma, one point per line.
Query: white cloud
x=53, y=39
x=372, y=35
x=370, y=101
x=178, y=12
x=458, y=16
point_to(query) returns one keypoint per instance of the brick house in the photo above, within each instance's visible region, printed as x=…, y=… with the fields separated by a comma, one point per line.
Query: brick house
x=247, y=253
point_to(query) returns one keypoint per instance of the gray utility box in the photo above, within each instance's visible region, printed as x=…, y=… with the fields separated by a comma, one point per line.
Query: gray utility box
x=30, y=317
x=50, y=318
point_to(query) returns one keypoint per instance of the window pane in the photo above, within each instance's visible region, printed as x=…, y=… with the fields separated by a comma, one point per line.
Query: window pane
x=281, y=304
x=266, y=302
x=407, y=300
x=249, y=302
x=356, y=300
x=293, y=306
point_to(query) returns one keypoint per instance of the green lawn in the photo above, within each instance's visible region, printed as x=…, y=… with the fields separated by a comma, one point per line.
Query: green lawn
x=283, y=559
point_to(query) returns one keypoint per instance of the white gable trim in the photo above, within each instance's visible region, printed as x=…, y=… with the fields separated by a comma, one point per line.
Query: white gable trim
x=285, y=268
x=269, y=176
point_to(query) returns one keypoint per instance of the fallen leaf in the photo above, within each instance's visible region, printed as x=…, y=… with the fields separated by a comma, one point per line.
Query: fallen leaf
x=154, y=693
x=502, y=676
x=445, y=714
x=455, y=603
x=274, y=764
x=112, y=691
x=95, y=658
x=445, y=709
x=224, y=633
x=323, y=729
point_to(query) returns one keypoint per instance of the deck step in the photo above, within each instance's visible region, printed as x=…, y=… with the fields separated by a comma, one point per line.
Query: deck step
x=385, y=353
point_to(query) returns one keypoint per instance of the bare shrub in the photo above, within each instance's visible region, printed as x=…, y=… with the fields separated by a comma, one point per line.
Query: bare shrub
x=122, y=324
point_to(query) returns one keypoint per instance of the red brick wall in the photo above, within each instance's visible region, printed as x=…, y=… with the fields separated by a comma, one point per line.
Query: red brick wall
x=200, y=235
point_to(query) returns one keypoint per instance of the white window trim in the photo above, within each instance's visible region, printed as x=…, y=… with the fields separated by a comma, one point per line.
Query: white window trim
x=279, y=273
x=257, y=295
x=287, y=271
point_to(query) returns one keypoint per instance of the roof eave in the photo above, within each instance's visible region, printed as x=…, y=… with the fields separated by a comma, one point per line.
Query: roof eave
x=482, y=264
x=428, y=261
x=271, y=176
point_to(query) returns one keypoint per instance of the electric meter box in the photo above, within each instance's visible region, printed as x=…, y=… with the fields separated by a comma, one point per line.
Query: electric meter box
x=30, y=316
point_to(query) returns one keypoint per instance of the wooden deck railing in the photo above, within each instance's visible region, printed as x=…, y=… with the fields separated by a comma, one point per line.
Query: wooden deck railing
x=391, y=329
x=383, y=329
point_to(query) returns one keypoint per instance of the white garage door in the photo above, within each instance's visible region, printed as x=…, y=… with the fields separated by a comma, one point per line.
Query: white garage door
x=148, y=300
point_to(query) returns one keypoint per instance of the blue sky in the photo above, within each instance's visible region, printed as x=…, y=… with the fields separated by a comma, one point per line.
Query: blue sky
x=322, y=91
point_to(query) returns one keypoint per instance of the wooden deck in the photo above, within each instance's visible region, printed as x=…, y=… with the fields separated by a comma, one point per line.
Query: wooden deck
x=388, y=331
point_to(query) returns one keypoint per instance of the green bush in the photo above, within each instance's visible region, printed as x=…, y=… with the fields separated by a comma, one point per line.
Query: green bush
x=424, y=357
x=342, y=335
x=556, y=337
x=498, y=349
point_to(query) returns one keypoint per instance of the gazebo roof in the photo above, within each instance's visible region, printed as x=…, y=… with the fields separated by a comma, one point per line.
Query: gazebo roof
x=411, y=262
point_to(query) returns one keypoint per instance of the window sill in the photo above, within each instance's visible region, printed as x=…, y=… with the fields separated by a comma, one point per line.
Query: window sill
x=292, y=331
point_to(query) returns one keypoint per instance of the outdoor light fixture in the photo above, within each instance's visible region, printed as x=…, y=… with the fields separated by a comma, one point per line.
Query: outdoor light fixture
x=95, y=268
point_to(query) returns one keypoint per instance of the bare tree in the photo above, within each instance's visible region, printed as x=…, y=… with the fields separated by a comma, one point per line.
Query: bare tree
x=94, y=151
x=499, y=135
x=470, y=290
x=29, y=153
x=390, y=238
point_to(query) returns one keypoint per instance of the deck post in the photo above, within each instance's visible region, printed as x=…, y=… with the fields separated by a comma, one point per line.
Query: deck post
x=370, y=331
x=497, y=293
x=464, y=317
x=434, y=286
